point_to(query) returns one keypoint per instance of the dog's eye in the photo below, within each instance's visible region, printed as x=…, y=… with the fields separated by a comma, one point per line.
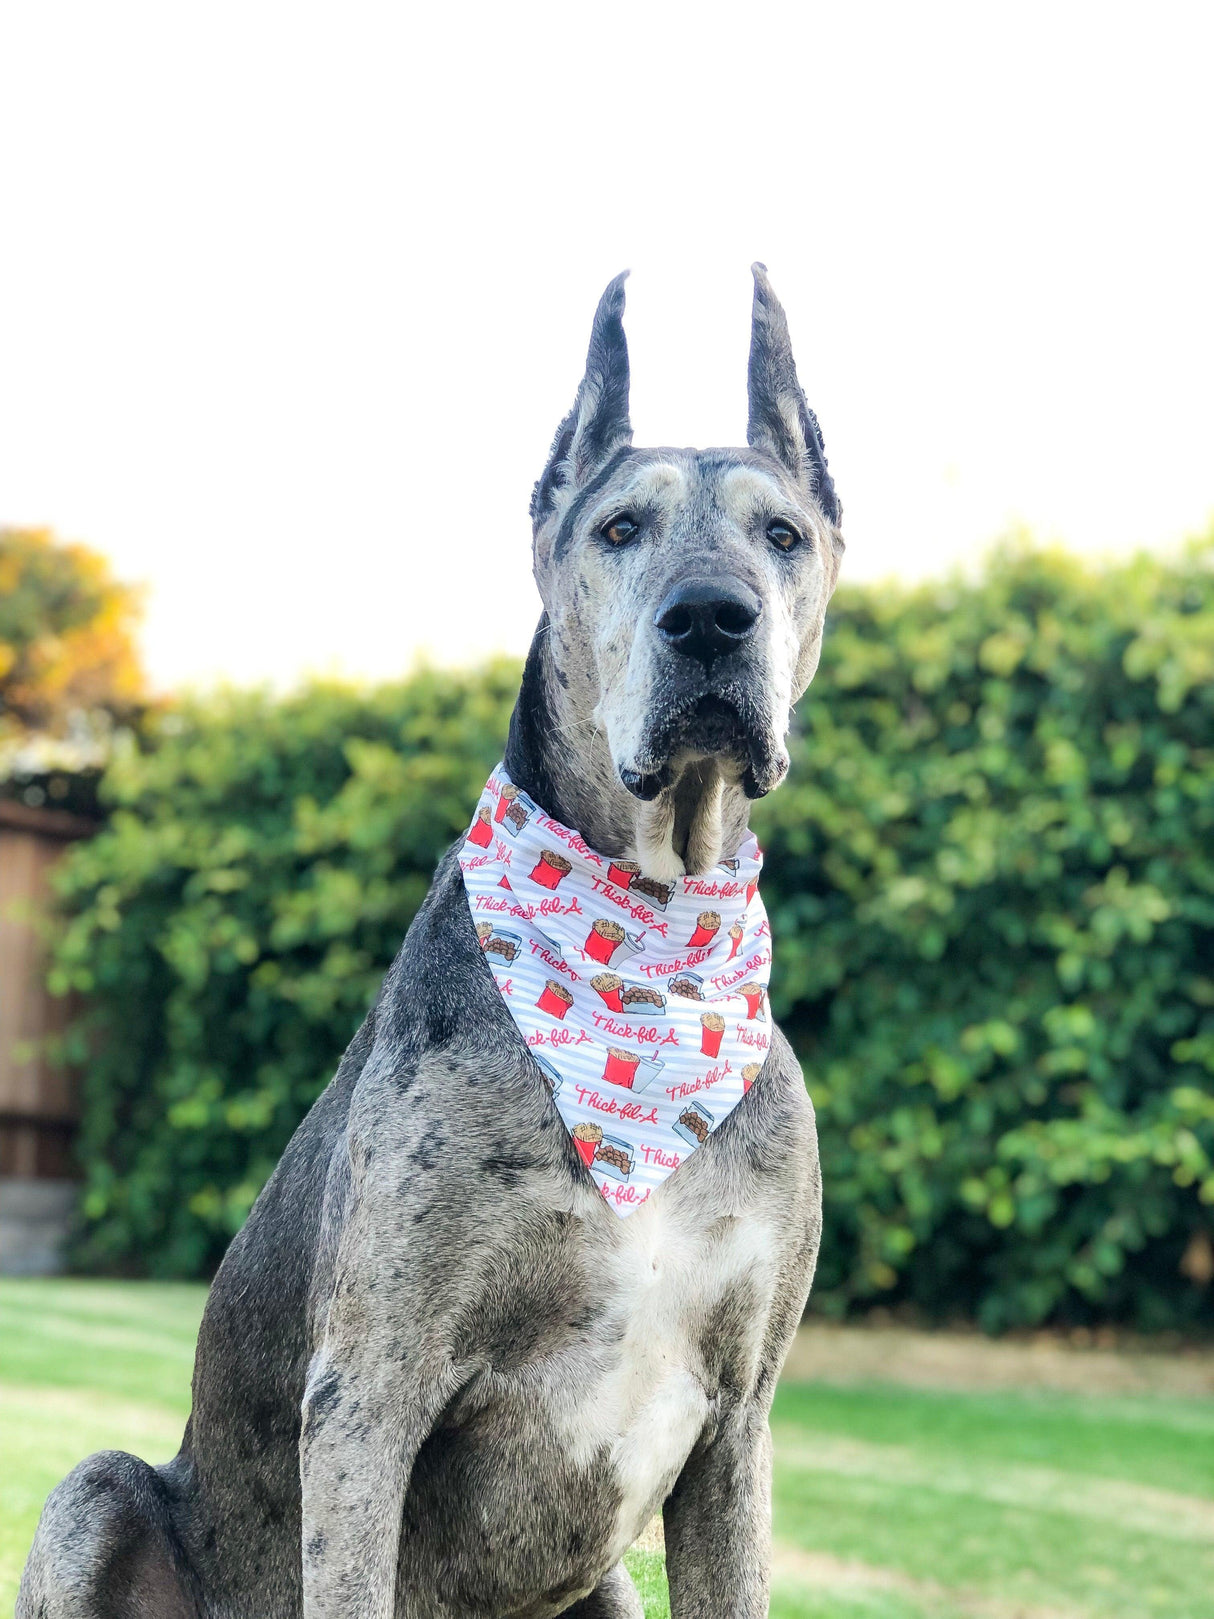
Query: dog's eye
x=783, y=535
x=621, y=529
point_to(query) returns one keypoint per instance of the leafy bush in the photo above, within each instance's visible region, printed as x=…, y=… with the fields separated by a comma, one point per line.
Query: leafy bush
x=230, y=927
x=991, y=877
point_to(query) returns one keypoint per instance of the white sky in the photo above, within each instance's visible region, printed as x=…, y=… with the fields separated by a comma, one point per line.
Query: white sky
x=292, y=297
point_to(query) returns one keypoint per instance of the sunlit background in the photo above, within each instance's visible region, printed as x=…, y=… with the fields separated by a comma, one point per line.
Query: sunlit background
x=292, y=298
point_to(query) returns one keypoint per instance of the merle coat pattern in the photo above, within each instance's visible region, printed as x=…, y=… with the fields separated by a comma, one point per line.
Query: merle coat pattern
x=438, y=1376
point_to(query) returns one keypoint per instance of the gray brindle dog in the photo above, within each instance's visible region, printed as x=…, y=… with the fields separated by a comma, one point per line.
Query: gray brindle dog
x=438, y=1377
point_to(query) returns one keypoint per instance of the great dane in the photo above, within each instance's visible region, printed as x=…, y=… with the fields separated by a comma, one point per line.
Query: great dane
x=438, y=1377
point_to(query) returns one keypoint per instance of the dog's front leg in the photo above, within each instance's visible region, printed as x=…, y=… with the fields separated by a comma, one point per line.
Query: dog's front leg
x=718, y=1523
x=363, y=1424
x=379, y=1377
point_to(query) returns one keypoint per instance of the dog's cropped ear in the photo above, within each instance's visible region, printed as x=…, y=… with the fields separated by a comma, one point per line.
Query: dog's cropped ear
x=598, y=424
x=781, y=423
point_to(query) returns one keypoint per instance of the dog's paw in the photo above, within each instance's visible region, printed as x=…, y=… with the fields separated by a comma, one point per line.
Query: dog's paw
x=662, y=865
x=659, y=861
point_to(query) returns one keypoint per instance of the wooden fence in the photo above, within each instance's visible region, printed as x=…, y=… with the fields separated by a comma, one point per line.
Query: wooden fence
x=38, y=1102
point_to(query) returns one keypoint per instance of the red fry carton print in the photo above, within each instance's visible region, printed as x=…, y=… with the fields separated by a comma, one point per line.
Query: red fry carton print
x=607, y=939
x=712, y=1027
x=621, y=1066
x=505, y=798
x=514, y=809
x=586, y=1138
x=754, y=995
x=708, y=925
x=749, y=1074
x=736, y=934
x=611, y=1154
x=609, y=987
x=630, y=1069
x=555, y=998
x=621, y=872
x=481, y=832
x=550, y=869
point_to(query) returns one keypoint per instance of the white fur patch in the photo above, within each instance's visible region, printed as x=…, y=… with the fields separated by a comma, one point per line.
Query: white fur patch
x=747, y=490
x=647, y=1400
x=648, y=483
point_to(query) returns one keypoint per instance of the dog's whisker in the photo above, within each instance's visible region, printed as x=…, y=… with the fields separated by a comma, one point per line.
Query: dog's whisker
x=576, y=725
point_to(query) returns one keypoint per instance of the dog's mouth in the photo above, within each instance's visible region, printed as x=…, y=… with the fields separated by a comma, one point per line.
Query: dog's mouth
x=721, y=726
x=712, y=726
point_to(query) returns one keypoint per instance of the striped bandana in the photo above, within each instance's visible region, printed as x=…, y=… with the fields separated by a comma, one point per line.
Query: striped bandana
x=643, y=1002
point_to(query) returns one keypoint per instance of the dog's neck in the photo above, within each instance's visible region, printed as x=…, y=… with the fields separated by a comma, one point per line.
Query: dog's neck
x=558, y=753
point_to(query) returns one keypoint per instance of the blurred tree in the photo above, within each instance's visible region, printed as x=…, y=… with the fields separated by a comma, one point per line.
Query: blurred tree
x=66, y=636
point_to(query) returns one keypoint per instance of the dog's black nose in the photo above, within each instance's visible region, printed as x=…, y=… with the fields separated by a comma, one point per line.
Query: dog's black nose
x=706, y=618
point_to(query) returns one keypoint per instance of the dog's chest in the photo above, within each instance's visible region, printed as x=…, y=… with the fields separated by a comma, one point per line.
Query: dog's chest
x=672, y=1317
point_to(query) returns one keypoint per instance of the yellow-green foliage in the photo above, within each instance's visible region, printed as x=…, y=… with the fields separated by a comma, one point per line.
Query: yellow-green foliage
x=66, y=634
x=991, y=878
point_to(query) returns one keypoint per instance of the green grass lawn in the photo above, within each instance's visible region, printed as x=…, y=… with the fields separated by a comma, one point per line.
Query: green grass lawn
x=890, y=1502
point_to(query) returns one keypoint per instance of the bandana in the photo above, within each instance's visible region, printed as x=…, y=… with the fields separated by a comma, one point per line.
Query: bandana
x=643, y=1002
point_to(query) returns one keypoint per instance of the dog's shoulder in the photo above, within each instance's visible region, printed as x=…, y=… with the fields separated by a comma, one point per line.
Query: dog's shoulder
x=774, y=1127
x=439, y=989
x=784, y=1100
x=448, y=1065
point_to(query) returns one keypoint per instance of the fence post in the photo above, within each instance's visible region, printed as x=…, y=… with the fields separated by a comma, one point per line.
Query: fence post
x=38, y=1100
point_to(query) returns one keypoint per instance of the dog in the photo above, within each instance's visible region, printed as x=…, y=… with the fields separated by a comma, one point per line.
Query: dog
x=438, y=1377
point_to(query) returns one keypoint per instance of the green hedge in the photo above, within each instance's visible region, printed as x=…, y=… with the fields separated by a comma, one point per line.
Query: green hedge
x=991, y=877
x=261, y=862
x=996, y=857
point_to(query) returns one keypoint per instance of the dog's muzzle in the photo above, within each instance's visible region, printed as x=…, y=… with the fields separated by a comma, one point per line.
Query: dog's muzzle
x=707, y=700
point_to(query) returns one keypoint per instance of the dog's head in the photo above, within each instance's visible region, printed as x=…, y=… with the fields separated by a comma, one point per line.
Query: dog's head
x=685, y=590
